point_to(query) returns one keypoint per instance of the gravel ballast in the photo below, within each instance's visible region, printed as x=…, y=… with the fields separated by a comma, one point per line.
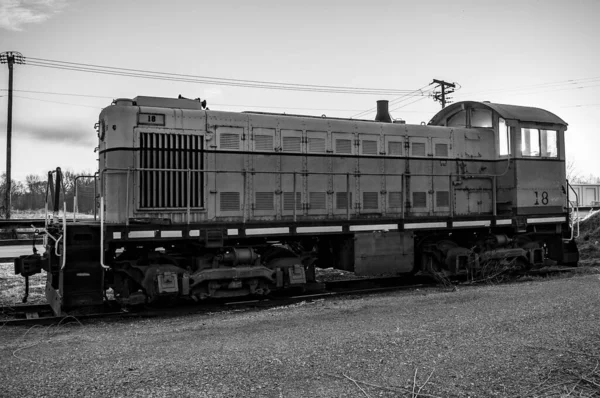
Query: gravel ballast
x=506, y=340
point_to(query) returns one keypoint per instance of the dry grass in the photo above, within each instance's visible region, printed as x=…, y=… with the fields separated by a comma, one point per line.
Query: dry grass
x=40, y=213
x=536, y=339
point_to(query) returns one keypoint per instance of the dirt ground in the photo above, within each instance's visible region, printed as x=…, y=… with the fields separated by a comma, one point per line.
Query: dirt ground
x=536, y=338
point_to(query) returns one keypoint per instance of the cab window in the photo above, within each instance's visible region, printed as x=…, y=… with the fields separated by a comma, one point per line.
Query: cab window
x=549, y=145
x=504, y=138
x=481, y=118
x=459, y=119
x=539, y=143
x=530, y=142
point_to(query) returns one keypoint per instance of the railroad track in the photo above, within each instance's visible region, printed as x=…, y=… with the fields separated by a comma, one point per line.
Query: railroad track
x=32, y=314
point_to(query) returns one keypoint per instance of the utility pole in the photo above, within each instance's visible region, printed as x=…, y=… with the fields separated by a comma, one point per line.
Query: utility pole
x=10, y=58
x=440, y=96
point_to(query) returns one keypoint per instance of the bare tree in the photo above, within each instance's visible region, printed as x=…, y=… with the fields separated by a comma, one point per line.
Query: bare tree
x=573, y=174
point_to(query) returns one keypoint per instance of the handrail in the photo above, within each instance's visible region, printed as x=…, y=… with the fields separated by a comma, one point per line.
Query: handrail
x=220, y=171
x=75, y=196
x=56, y=192
x=576, y=211
x=102, y=233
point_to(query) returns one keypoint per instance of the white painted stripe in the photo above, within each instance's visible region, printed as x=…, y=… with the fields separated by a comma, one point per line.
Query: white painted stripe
x=503, y=222
x=377, y=227
x=116, y=235
x=170, y=234
x=269, y=231
x=194, y=232
x=425, y=225
x=232, y=232
x=475, y=223
x=306, y=230
x=544, y=220
x=141, y=234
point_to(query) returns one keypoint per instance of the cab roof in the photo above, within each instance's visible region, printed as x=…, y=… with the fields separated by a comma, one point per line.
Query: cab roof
x=515, y=112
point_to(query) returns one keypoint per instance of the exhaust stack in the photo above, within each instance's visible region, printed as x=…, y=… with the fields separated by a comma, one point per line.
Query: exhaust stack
x=383, y=114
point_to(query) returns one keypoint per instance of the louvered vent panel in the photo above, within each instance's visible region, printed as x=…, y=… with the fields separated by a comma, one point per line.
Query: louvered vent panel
x=230, y=141
x=395, y=199
x=395, y=148
x=160, y=188
x=288, y=201
x=442, y=199
x=292, y=144
x=264, y=201
x=341, y=200
x=419, y=199
x=230, y=201
x=418, y=149
x=317, y=200
x=343, y=146
x=316, y=145
x=370, y=200
x=369, y=147
x=441, y=150
x=263, y=142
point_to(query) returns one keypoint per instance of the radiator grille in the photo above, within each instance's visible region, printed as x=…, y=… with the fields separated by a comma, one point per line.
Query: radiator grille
x=369, y=147
x=316, y=145
x=264, y=201
x=317, y=200
x=292, y=144
x=288, y=201
x=230, y=201
x=370, y=200
x=395, y=199
x=442, y=199
x=343, y=146
x=418, y=149
x=395, y=148
x=263, y=142
x=229, y=141
x=419, y=199
x=441, y=150
x=341, y=200
x=170, y=189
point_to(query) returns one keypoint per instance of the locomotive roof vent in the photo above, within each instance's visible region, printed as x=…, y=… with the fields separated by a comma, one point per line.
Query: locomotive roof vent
x=383, y=114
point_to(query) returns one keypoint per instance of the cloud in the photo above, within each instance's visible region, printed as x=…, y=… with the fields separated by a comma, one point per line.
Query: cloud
x=72, y=135
x=16, y=13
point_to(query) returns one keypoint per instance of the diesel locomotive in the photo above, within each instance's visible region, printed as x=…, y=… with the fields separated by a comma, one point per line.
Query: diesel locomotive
x=197, y=203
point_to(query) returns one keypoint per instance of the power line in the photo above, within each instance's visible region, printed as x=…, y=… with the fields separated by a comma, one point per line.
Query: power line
x=213, y=103
x=56, y=102
x=397, y=100
x=55, y=93
x=410, y=103
x=194, y=76
x=139, y=73
x=558, y=84
x=579, y=105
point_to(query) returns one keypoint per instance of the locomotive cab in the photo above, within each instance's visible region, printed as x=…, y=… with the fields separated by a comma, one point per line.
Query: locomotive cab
x=528, y=169
x=529, y=161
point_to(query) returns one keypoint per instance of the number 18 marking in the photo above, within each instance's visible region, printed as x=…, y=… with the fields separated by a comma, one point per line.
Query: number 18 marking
x=544, y=198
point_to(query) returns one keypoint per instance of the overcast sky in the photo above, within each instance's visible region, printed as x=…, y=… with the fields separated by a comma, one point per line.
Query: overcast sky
x=535, y=53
